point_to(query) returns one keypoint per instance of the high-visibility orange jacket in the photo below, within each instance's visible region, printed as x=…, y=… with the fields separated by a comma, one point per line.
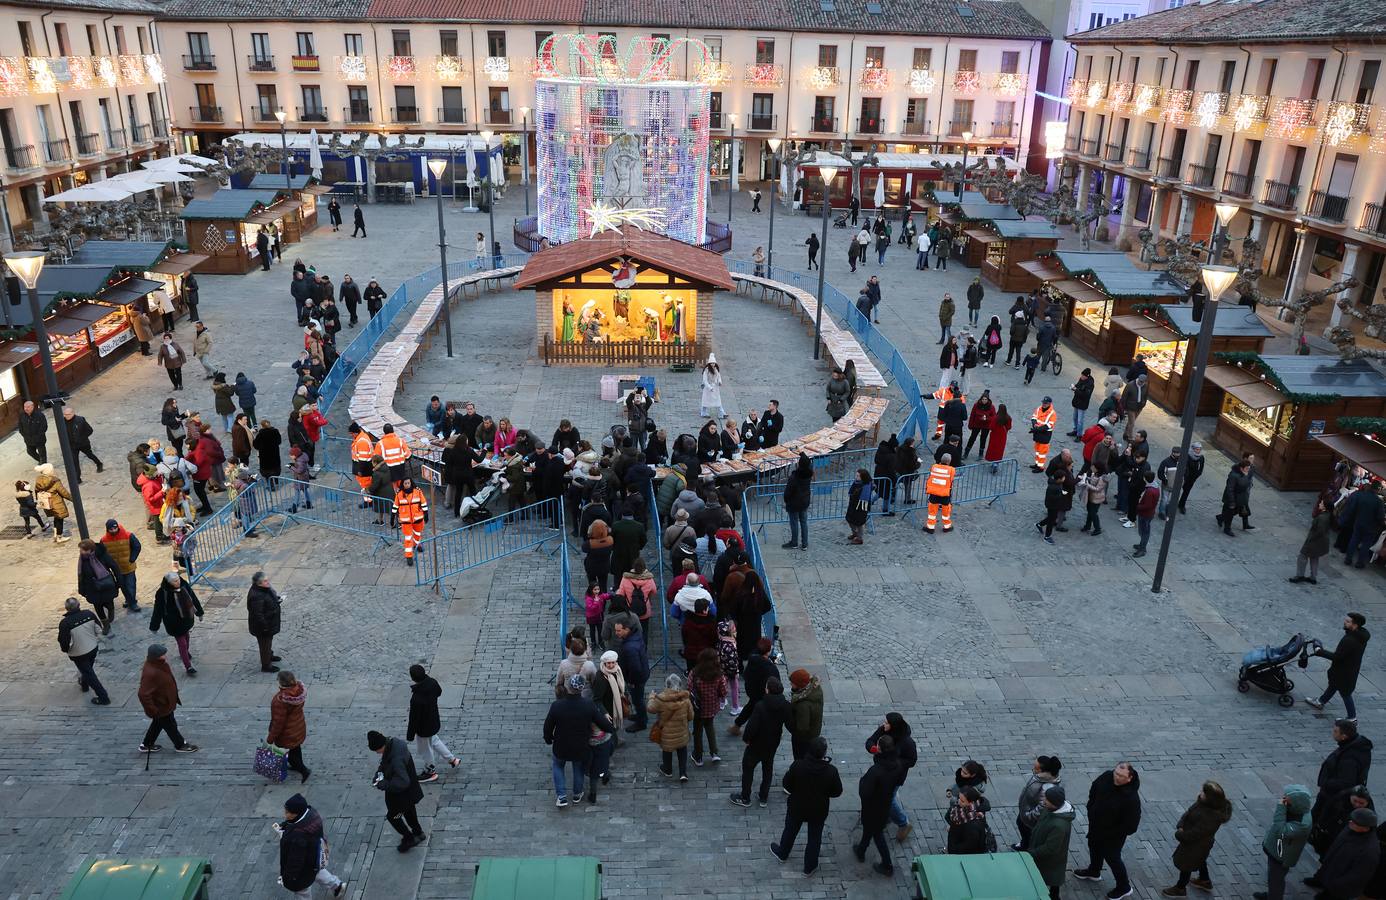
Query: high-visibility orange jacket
x=944, y=394
x=1046, y=417
x=362, y=450
x=393, y=449
x=940, y=480
x=410, y=507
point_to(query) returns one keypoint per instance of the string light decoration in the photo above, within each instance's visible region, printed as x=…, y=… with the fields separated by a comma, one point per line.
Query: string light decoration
x=105, y=71
x=79, y=75
x=822, y=77
x=352, y=68
x=1010, y=84
x=1291, y=117
x=1054, y=135
x=154, y=66
x=496, y=68
x=1119, y=97
x=14, y=76
x=967, y=83
x=1246, y=110
x=874, y=79
x=605, y=149
x=401, y=68
x=542, y=66
x=1077, y=90
x=764, y=75
x=1176, y=106
x=1209, y=108
x=714, y=73
x=1343, y=121
x=1096, y=91
x=449, y=68
x=1146, y=98
x=41, y=80
x=132, y=70
x=923, y=81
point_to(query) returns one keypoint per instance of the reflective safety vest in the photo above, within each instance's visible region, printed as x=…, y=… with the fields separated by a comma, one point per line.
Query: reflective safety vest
x=944, y=394
x=940, y=480
x=393, y=449
x=410, y=507
x=362, y=450
x=1046, y=417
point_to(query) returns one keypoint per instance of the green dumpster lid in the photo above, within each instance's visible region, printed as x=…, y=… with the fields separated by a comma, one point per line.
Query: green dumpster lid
x=556, y=878
x=172, y=878
x=982, y=876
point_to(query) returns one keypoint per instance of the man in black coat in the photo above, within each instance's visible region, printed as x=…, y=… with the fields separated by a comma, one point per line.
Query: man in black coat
x=1361, y=522
x=876, y=788
x=262, y=610
x=567, y=728
x=953, y=416
x=908, y=756
x=1345, y=664
x=397, y=778
x=358, y=221
x=33, y=427
x=1351, y=860
x=1114, y=814
x=300, y=850
x=301, y=289
x=771, y=424
x=79, y=439
x=811, y=782
x=262, y=247
x=1345, y=767
x=350, y=294
x=1193, y=470
x=374, y=296
x=757, y=674
x=765, y=728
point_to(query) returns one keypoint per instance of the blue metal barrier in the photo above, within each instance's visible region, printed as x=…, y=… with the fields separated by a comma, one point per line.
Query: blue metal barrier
x=828, y=467
x=219, y=534
x=765, y=506
x=770, y=621
x=335, y=507
x=661, y=582
x=446, y=554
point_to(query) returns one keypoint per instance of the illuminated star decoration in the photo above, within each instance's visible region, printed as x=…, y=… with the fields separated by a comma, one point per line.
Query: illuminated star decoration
x=606, y=217
x=922, y=81
x=497, y=68
x=352, y=68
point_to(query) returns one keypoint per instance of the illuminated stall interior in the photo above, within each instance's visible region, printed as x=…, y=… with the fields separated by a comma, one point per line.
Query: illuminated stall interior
x=1006, y=243
x=224, y=227
x=658, y=307
x=962, y=214
x=305, y=189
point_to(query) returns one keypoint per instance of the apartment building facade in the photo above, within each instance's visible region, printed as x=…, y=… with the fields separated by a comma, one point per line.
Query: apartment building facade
x=1273, y=105
x=908, y=77
x=81, y=97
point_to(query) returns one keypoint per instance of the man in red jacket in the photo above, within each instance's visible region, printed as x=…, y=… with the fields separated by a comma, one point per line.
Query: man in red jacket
x=1146, y=506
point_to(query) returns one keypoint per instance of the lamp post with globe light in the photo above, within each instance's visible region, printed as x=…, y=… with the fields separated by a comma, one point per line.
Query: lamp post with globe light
x=524, y=153
x=27, y=265
x=284, y=144
x=437, y=165
x=731, y=166
x=1217, y=280
x=828, y=173
x=962, y=178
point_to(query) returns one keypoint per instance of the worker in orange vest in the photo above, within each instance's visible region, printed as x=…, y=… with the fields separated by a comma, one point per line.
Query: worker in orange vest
x=362, y=452
x=943, y=395
x=395, y=452
x=412, y=511
x=1042, y=423
x=940, y=490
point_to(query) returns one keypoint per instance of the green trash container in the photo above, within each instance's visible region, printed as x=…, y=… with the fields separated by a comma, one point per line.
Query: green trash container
x=538, y=878
x=981, y=876
x=169, y=878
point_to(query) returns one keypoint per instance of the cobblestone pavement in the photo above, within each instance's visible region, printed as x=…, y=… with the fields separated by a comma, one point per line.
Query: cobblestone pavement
x=993, y=644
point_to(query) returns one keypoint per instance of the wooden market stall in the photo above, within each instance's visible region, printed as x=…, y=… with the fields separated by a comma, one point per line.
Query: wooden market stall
x=224, y=226
x=1167, y=338
x=1276, y=407
x=1005, y=244
x=305, y=189
x=1364, y=452
x=14, y=384
x=1094, y=286
x=160, y=261
x=626, y=296
x=962, y=214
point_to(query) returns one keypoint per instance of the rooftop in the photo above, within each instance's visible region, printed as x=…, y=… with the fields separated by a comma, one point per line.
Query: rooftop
x=1247, y=21
x=663, y=253
x=138, y=7
x=1116, y=275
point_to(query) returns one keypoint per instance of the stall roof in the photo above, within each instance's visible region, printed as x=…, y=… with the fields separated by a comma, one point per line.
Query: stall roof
x=84, y=281
x=665, y=253
x=1327, y=375
x=1142, y=327
x=130, y=290
x=431, y=142
x=1370, y=455
x=1226, y=376
x=274, y=181
x=180, y=264
x=140, y=255
x=977, y=208
x=234, y=205
x=276, y=211
x=16, y=354
x=1020, y=228
x=1231, y=321
x=1117, y=275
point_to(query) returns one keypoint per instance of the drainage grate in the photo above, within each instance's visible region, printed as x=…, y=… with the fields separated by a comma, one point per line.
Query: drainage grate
x=12, y=533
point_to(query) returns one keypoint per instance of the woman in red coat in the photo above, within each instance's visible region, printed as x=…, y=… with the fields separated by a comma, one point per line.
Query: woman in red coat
x=208, y=456
x=979, y=423
x=313, y=422
x=288, y=728
x=996, y=439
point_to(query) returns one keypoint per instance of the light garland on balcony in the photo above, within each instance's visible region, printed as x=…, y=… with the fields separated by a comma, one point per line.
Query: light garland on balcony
x=923, y=81
x=1092, y=98
x=822, y=77
x=14, y=76
x=41, y=80
x=764, y=75
x=714, y=73
x=1147, y=97
x=154, y=66
x=874, y=79
x=543, y=66
x=105, y=71
x=1010, y=84
x=79, y=75
x=1291, y=117
x=1119, y=97
x=1343, y=121
x=1176, y=105
x=132, y=70
x=1247, y=110
x=1077, y=90
x=967, y=83
x=352, y=68
x=496, y=68
x=1209, y=109
x=401, y=68
x=449, y=68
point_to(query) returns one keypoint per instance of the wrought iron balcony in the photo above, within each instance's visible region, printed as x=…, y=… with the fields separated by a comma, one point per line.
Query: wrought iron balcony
x=142, y=134
x=1201, y=176
x=497, y=116
x=762, y=122
x=88, y=144
x=57, y=151
x=1236, y=184
x=917, y=127
x=19, y=159
x=868, y=125
x=1281, y=195
x=1372, y=222
x=1114, y=153
x=404, y=115
x=1168, y=167
x=357, y=113
x=1138, y=160
x=260, y=63
x=200, y=63
x=823, y=124
x=1088, y=146
x=311, y=114
x=205, y=114
x=1328, y=207
x=452, y=115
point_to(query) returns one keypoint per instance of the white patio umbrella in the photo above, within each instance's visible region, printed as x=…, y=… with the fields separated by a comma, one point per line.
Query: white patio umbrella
x=96, y=192
x=164, y=175
x=168, y=164
x=909, y=187
x=195, y=159
x=880, y=191
x=470, y=157
x=314, y=154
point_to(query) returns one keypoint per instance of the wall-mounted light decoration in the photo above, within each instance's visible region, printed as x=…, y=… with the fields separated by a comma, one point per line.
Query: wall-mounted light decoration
x=822, y=77
x=449, y=68
x=496, y=68
x=764, y=75
x=1054, y=133
x=401, y=68
x=154, y=66
x=1209, y=109
x=41, y=78
x=1246, y=110
x=1146, y=98
x=1010, y=84
x=1343, y=120
x=967, y=83
x=352, y=68
x=923, y=81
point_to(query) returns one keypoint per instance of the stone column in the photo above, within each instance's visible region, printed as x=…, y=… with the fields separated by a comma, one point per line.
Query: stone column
x=1299, y=271
x=1349, y=267
x=1081, y=188
x=1257, y=232
x=1186, y=214
x=1157, y=202
x=1128, y=208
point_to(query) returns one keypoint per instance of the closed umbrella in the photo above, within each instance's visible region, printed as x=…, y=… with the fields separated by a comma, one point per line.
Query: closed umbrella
x=314, y=154
x=880, y=191
x=470, y=156
x=909, y=187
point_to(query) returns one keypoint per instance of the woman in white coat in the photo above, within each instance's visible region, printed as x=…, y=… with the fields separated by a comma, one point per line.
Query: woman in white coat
x=712, y=388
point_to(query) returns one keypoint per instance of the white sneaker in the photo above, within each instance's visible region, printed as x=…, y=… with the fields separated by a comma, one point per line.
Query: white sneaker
x=1127, y=523
x=736, y=710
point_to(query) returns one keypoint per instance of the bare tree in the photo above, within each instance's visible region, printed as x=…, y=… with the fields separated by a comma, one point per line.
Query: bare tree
x=1374, y=316
x=1346, y=342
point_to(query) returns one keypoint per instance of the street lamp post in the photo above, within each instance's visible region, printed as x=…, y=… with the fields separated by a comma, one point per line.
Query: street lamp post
x=490, y=194
x=962, y=177
x=284, y=143
x=731, y=167
x=437, y=165
x=1218, y=279
x=27, y=265
x=524, y=154
x=828, y=173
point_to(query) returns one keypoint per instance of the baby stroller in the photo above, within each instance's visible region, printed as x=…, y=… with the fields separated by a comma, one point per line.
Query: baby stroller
x=1265, y=667
x=473, y=508
x=840, y=221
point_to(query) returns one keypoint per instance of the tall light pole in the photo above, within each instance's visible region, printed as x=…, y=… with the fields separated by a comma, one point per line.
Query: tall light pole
x=26, y=265
x=284, y=143
x=524, y=154
x=828, y=173
x=731, y=167
x=490, y=193
x=962, y=178
x=1218, y=280
x=437, y=165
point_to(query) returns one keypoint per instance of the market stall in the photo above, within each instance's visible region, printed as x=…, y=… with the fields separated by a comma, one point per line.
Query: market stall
x=964, y=214
x=160, y=261
x=913, y=178
x=304, y=188
x=1093, y=286
x=1167, y=338
x=1276, y=407
x=1005, y=244
x=1364, y=452
x=14, y=386
x=224, y=226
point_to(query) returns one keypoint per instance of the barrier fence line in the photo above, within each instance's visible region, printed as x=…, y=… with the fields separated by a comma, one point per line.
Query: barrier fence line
x=833, y=465
x=829, y=501
x=448, y=553
x=661, y=584
x=770, y=621
x=216, y=536
x=335, y=507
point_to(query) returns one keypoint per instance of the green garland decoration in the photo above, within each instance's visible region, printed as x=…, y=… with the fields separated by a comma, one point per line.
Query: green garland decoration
x=1362, y=424
x=1243, y=357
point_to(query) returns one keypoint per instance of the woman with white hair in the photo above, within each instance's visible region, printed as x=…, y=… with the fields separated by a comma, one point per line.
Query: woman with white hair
x=712, y=388
x=674, y=710
x=176, y=607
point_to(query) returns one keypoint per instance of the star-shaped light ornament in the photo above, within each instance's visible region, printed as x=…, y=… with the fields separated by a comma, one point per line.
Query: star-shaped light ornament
x=607, y=217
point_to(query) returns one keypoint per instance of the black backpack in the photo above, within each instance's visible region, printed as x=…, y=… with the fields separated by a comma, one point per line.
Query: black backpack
x=638, y=604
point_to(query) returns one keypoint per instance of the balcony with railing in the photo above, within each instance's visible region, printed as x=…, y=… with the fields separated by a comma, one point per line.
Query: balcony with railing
x=1372, y=222
x=20, y=159
x=264, y=115
x=762, y=122
x=1114, y=153
x=404, y=115
x=764, y=75
x=306, y=62
x=115, y=141
x=1071, y=143
x=1237, y=184
x=823, y=124
x=311, y=114
x=205, y=114
x=1088, y=146
x=88, y=144
x=141, y=134
x=497, y=116
x=955, y=129
x=199, y=62
x=868, y=125
x=257, y=63
x=1168, y=167
x=1281, y=194
x=1201, y=176
x=452, y=115
x=1006, y=131
x=917, y=127
x=160, y=127
x=356, y=113
x=716, y=121
x=57, y=151
x=1328, y=207
x=1138, y=160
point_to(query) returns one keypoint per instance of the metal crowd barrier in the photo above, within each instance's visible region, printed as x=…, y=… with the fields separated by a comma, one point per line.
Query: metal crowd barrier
x=335, y=507
x=217, y=535
x=443, y=555
x=973, y=483
x=765, y=506
x=830, y=466
x=770, y=621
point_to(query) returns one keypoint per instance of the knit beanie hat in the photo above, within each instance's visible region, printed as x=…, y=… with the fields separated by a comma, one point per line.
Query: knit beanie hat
x=296, y=805
x=1056, y=795
x=375, y=740
x=576, y=684
x=799, y=679
x=1363, y=818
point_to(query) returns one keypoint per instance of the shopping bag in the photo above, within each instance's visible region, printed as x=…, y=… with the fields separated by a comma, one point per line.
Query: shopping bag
x=272, y=762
